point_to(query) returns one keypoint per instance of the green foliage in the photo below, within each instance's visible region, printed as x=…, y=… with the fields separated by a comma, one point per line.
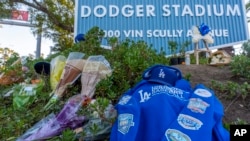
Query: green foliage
x=68, y=135
x=55, y=19
x=9, y=63
x=202, y=60
x=230, y=90
x=15, y=122
x=4, y=9
x=240, y=66
x=246, y=48
x=183, y=48
x=172, y=45
x=188, y=76
x=113, y=41
x=128, y=60
x=247, y=6
x=238, y=121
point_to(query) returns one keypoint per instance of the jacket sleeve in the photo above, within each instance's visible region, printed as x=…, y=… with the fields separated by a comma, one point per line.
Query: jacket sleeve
x=126, y=125
x=219, y=132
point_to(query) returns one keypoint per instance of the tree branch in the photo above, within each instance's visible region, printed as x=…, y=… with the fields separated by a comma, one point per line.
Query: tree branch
x=38, y=6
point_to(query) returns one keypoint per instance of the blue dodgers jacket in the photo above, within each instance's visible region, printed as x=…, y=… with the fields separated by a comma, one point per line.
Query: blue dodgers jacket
x=155, y=112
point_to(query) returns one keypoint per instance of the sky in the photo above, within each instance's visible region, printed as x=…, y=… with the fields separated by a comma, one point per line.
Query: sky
x=21, y=40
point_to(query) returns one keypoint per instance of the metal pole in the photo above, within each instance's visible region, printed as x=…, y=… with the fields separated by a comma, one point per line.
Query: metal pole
x=16, y=23
x=38, y=45
x=39, y=36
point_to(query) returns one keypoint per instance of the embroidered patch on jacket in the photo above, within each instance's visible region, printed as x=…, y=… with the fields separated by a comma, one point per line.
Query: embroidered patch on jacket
x=203, y=93
x=176, y=135
x=189, y=122
x=197, y=105
x=124, y=100
x=125, y=121
x=171, y=91
x=145, y=96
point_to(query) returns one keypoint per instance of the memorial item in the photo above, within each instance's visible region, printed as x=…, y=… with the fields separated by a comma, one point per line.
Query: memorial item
x=95, y=69
x=71, y=72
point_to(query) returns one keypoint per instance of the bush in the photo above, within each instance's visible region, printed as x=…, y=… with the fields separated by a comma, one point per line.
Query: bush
x=240, y=66
x=246, y=48
x=128, y=60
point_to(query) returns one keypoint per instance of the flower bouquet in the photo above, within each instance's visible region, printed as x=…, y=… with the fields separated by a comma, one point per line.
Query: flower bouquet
x=10, y=77
x=70, y=74
x=95, y=68
x=25, y=94
x=57, y=65
x=53, y=125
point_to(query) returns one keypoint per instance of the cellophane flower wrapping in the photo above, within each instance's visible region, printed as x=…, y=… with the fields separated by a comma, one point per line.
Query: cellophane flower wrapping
x=71, y=72
x=25, y=94
x=57, y=65
x=53, y=125
x=95, y=69
x=104, y=124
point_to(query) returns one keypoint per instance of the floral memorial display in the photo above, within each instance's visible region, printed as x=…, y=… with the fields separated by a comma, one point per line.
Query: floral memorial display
x=180, y=111
x=53, y=125
x=57, y=65
x=92, y=70
x=203, y=33
x=70, y=74
x=95, y=68
x=220, y=58
x=10, y=77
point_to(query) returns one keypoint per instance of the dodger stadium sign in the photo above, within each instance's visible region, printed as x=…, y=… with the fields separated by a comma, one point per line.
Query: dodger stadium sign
x=157, y=22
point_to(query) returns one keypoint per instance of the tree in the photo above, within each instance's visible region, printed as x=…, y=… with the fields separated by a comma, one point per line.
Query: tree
x=247, y=6
x=246, y=48
x=54, y=18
